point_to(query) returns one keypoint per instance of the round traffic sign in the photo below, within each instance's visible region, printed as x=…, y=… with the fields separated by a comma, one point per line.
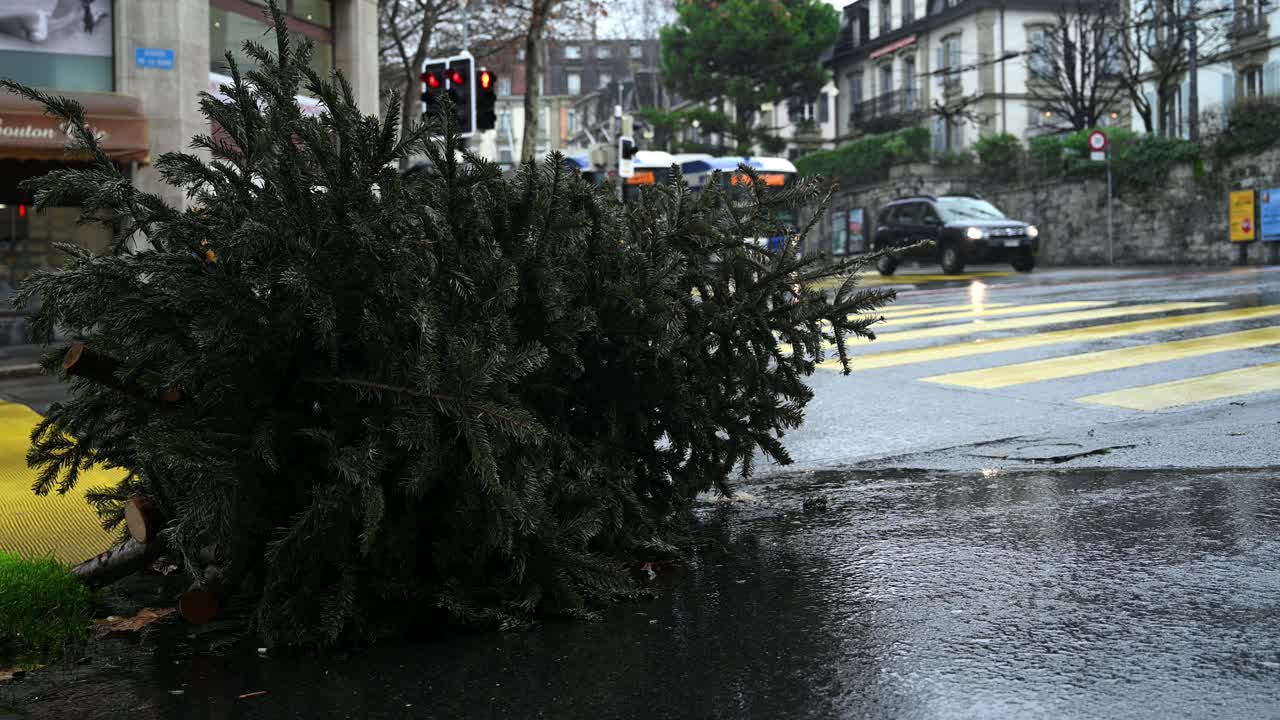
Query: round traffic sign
x=1097, y=140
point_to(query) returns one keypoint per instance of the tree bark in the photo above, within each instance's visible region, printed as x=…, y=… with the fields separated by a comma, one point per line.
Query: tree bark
x=85, y=362
x=533, y=43
x=120, y=561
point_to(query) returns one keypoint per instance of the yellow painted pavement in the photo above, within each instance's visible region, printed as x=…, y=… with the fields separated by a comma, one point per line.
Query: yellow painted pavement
x=1102, y=361
x=1019, y=323
x=63, y=526
x=989, y=311
x=1232, y=383
x=1022, y=342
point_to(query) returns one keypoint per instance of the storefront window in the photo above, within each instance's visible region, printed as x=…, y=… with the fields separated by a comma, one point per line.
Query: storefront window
x=228, y=32
x=317, y=12
x=59, y=44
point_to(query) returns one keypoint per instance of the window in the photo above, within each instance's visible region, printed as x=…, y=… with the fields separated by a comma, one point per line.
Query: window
x=637, y=52
x=504, y=86
x=574, y=83
x=824, y=110
x=504, y=156
x=504, y=121
x=949, y=60
x=960, y=209
x=1038, y=63
x=542, y=86
x=855, y=30
x=855, y=87
x=572, y=52
x=319, y=12
x=1252, y=81
x=604, y=52
x=229, y=30
x=573, y=120
x=910, y=96
x=886, y=16
x=520, y=55
x=908, y=11
x=605, y=79
x=886, y=79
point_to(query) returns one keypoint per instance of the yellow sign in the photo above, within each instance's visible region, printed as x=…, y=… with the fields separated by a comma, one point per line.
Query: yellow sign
x=1244, y=223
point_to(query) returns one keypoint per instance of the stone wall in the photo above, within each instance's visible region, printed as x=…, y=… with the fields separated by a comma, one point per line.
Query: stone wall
x=1184, y=222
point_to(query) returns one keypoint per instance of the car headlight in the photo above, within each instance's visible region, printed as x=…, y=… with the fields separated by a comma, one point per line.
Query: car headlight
x=974, y=234
x=1033, y=231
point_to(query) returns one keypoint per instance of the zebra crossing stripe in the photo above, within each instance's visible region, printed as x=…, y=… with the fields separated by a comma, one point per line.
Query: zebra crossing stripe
x=1095, y=362
x=1019, y=323
x=1022, y=342
x=1232, y=383
x=989, y=311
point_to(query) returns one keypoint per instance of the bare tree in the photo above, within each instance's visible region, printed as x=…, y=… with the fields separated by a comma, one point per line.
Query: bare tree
x=540, y=16
x=1155, y=51
x=407, y=30
x=1075, y=66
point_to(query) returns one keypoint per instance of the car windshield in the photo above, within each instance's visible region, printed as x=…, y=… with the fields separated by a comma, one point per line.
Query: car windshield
x=962, y=208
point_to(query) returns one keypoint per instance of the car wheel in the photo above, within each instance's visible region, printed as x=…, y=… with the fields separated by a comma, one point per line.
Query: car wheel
x=952, y=261
x=886, y=265
x=1024, y=263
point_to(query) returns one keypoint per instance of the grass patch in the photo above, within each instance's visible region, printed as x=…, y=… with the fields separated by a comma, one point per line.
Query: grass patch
x=44, y=610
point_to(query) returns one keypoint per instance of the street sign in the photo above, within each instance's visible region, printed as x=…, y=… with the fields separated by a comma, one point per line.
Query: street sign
x=1098, y=145
x=1243, y=215
x=1269, y=215
x=159, y=58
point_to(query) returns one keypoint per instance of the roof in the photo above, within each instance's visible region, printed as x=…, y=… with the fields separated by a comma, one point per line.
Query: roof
x=654, y=158
x=763, y=164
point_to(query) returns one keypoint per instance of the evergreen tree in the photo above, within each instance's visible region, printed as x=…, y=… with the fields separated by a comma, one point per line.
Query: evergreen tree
x=369, y=403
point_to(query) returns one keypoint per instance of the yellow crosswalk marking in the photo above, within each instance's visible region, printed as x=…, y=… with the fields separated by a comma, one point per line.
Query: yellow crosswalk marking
x=1247, y=381
x=1022, y=342
x=988, y=311
x=875, y=280
x=1038, y=320
x=1094, y=362
x=62, y=525
x=903, y=311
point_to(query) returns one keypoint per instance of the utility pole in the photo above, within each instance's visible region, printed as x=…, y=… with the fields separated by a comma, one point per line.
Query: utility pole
x=1193, y=66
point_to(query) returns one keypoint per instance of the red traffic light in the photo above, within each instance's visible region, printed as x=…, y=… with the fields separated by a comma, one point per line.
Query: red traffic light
x=456, y=78
x=486, y=79
x=432, y=80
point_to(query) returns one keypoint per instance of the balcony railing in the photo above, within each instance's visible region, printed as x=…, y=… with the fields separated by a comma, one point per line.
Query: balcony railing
x=1248, y=20
x=895, y=102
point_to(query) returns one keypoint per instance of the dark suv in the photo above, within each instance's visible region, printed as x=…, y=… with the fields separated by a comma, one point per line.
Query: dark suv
x=964, y=228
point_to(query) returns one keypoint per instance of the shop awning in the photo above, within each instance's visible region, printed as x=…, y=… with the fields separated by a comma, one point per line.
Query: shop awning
x=26, y=133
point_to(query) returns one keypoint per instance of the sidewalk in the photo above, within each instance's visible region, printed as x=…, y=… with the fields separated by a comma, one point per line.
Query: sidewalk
x=20, y=360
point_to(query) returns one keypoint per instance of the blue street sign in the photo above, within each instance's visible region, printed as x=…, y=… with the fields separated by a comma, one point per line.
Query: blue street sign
x=1269, y=214
x=161, y=58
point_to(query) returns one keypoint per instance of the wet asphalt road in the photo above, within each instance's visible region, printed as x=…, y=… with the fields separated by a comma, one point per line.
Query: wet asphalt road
x=892, y=417
x=1092, y=594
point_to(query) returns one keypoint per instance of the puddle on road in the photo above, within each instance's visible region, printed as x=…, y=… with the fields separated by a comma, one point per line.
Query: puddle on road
x=894, y=594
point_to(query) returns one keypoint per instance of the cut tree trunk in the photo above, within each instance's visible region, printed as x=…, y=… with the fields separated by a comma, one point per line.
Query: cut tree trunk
x=142, y=519
x=120, y=561
x=83, y=361
x=203, y=601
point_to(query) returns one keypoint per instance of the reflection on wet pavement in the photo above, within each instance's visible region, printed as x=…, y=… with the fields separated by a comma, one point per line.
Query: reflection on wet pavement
x=903, y=595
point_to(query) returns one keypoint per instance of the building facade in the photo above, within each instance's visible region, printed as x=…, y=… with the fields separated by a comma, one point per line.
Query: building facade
x=580, y=83
x=1242, y=61
x=963, y=68
x=137, y=67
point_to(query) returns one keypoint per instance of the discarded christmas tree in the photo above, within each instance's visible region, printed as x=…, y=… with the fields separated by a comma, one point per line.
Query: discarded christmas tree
x=362, y=403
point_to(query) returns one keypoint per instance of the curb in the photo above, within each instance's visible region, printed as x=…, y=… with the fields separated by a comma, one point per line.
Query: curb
x=19, y=371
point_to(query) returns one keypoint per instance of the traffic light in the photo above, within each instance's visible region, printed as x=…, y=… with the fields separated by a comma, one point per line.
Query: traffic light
x=626, y=151
x=461, y=86
x=486, y=100
x=626, y=147
x=433, y=83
